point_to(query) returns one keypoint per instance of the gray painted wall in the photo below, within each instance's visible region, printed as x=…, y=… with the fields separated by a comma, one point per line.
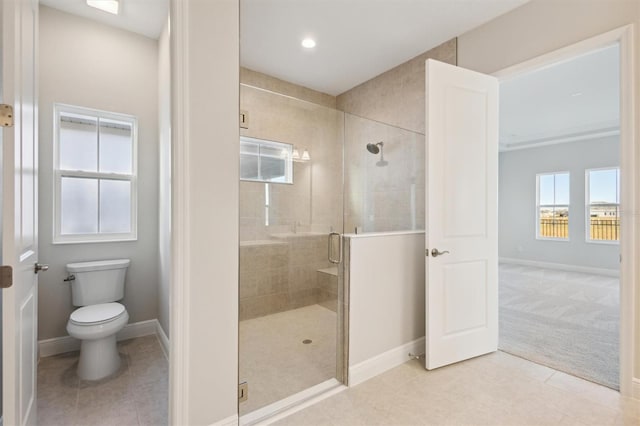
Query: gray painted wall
x=517, y=202
x=88, y=64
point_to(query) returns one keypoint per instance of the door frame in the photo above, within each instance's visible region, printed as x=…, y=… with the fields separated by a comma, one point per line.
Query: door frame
x=205, y=103
x=630, y=192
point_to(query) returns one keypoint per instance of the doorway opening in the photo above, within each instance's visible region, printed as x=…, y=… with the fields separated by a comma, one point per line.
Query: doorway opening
x=560, y=205
x=104, y=198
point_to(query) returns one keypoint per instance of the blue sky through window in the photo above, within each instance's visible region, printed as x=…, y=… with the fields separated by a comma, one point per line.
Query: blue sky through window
x=554, y=189
x=604, y=186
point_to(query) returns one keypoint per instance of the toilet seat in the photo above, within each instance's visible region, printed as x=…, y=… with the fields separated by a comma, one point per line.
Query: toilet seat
x=97, y=314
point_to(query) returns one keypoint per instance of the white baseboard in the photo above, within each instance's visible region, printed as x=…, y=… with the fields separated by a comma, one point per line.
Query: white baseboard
x=60, y=345
x=385, y=361
x=635, y=389
x=138, y=329
x=229, y=421
x=164, y=340
x=561, y=267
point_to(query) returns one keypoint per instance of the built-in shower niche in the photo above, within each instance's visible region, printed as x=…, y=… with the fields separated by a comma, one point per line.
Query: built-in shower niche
x=287, y=272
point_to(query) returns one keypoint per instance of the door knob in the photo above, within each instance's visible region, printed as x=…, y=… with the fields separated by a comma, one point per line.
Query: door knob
x=40, y=267
x=436, y=253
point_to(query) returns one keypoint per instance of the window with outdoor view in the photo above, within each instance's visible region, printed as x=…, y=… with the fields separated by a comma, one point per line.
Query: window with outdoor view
x=552, y=209
x=603, y=204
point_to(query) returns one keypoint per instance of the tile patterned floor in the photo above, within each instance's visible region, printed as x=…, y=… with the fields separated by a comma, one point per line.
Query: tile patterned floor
x=275, y=362
x=496, y=389
x=137, y=395
x=566, y=320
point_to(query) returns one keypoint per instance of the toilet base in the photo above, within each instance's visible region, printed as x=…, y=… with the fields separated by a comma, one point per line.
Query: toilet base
x=99, y=358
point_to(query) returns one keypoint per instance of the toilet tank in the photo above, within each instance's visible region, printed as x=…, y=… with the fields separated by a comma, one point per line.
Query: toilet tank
x=97, y=282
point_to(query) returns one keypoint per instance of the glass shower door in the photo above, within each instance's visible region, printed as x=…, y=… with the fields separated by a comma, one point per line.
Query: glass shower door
x=291, y=201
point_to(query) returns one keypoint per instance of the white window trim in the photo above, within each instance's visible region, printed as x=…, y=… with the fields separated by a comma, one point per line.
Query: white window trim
x=288, y=160
x=587, y=209
x=58, y=174
x=538, y=205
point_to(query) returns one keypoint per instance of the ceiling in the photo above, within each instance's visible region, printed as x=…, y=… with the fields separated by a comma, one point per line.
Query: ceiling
x=573, y=100
x=356, y=39
x=360, y=39
x=146, y=17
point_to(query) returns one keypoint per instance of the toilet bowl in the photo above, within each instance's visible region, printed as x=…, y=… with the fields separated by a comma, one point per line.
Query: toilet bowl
x=96, y=287
x=96, y=327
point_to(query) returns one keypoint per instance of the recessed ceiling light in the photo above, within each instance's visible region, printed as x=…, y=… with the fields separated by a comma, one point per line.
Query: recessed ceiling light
x=110, y=6
x=575, y=95
x=308, y=43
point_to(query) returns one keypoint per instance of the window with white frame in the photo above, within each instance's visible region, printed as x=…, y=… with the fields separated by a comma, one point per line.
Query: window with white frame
x=603, y=204
x=552, y=207
x=95, y=173
x=265, y=161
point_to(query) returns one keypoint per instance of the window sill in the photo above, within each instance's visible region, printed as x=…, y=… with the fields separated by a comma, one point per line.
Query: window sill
x=604, y=242
x=93, y=241
x=563, y=240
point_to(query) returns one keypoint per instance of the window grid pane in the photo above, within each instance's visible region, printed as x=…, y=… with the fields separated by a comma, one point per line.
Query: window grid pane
x=553, y=205
x=78, y=146
x=604, y=204
x=115, y=206
x=561, y=188
x=115, y=147
x=79, y=209
x=554, y=221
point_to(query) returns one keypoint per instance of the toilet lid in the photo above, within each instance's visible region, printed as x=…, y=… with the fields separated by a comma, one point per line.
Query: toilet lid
x=97, y=313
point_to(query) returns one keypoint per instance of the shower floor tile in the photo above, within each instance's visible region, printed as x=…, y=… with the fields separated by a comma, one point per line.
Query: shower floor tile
x=275, y=361
x=135, y=395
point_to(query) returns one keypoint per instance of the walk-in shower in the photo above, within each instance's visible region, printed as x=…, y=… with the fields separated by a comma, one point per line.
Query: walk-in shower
x=293, y=315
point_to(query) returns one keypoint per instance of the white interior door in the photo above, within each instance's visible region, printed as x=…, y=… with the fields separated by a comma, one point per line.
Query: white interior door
x=462, y=214
x=19, y=210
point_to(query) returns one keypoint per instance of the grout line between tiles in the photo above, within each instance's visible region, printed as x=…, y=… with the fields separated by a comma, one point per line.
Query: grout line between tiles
x=550, y=376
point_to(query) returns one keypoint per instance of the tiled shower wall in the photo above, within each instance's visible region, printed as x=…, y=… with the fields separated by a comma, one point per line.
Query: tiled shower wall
x=397, y=97
x=282, y=274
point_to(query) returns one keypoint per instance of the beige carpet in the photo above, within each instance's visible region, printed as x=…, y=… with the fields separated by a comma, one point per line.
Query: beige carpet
x=565, y=320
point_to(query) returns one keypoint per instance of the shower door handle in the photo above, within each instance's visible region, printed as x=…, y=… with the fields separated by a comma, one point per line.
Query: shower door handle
x=331, y=259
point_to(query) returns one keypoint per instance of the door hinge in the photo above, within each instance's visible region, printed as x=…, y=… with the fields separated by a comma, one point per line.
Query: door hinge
x=243, y=391
x=426, y=252
x=6, y=115
x=6, y=276
x=244, y=119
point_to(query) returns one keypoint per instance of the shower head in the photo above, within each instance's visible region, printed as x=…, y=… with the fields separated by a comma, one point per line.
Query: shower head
x=374, y=148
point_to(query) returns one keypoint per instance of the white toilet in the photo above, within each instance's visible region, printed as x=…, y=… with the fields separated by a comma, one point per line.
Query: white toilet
x=96, y=286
